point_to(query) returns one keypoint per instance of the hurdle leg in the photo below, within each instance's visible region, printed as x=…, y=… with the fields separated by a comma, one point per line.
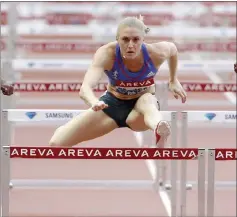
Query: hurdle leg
x=201, y=183
x=1, y=156
x=211, y=183
x=1, y=145
x=164, y=107
x=157, y=170
x=183, y=178
x=5, y=180
x=158, y=178
x=174, y=166
x=5, y=164
x=8, y=74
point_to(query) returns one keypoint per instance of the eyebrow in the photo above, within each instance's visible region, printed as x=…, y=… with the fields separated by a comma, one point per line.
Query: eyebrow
x=134, y=37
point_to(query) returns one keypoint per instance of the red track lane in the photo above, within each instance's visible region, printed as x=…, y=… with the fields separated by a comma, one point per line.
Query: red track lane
x=80, y=202
x=111, y=202
x=77, y=202
x=225, y=203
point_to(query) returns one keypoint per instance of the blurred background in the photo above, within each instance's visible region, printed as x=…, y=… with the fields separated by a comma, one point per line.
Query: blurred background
x=52, y=43
x=55, y=41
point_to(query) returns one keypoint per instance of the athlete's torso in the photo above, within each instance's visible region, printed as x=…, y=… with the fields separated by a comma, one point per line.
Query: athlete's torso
x=127, y=84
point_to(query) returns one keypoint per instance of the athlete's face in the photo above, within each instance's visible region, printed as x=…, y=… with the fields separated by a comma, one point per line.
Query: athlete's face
x=130, y=41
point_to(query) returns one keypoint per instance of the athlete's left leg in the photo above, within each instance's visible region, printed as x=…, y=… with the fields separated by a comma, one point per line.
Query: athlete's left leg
x=146, y=115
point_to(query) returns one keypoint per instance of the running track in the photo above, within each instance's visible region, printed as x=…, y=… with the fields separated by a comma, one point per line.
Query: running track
x=101, y=202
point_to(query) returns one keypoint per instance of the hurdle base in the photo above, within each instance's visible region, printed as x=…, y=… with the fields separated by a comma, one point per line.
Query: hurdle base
x=190, y=185
x=187, y=187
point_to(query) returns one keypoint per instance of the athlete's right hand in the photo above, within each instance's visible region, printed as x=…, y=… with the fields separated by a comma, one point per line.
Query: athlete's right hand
x=99, y=106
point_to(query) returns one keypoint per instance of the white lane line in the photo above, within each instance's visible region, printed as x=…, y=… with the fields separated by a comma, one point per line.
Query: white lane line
x=152, y=169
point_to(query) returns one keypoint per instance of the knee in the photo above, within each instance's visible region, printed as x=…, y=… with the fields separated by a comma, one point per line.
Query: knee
x=146, y=102
x=147, y=98
x=54, y=144
x=55, y=141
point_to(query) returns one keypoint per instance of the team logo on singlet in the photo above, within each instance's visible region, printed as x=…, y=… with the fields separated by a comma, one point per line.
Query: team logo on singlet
x=151, y=74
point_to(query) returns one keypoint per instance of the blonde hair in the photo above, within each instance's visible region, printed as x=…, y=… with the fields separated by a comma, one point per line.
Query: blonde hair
x=133, y=22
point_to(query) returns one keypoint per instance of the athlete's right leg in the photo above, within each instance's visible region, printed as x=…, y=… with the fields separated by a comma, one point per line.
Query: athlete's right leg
x=86, y=126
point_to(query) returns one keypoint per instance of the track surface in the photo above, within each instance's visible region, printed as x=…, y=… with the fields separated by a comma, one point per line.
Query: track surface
x=101, y=202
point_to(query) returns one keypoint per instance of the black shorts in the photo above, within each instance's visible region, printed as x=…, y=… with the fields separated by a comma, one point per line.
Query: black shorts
x=118, y=109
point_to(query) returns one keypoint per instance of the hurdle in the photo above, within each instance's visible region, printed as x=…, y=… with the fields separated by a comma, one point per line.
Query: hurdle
x=205, y=186
x=21, y=115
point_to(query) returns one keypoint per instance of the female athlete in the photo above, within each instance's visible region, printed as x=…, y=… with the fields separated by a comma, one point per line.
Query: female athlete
x=130, y=65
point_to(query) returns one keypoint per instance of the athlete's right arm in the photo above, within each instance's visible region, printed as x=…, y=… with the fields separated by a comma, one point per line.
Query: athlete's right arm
x=93, y=75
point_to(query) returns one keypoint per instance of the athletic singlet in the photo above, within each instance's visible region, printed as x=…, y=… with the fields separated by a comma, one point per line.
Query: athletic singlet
x=130, y=83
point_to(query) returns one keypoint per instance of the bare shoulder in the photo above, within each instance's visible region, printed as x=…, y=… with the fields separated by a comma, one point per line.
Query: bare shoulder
x=105, y=55
x=163, y=49
x=108, y=49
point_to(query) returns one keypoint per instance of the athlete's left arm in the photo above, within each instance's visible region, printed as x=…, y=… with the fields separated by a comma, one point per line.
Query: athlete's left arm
x=168, y=51
x=172, y=58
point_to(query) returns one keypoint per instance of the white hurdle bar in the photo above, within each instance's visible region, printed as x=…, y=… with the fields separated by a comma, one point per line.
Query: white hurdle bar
x=46, y=65
x=31, y=115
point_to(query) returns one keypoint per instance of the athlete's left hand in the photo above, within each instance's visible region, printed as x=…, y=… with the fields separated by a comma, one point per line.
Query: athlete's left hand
x=177, y=90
